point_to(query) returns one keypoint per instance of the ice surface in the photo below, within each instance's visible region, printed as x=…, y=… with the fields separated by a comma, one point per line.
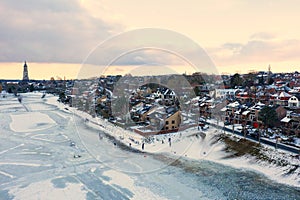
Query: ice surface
x=44, y=163
x=46, y=190
x=29, y=122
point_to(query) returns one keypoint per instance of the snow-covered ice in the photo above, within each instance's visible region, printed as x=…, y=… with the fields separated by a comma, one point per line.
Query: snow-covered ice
x=59, y=155
x=30, y=122
x=46, y=190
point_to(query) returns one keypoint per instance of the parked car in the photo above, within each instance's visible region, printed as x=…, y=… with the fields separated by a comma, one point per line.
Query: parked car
x=112, y=119
x=238, y=127
x=251, y=130
x=253, y=133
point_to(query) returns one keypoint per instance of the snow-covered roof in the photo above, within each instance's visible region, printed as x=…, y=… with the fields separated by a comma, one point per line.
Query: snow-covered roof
x=237, y=112
x=188, y=102
x=224, y=109
x=234, y=104
x=284, y=94
x=286, y=119
x=195, y=99
x=246, y=112
x=260, y=104
x=271, y=86
x=294, y=90
x=210, y=100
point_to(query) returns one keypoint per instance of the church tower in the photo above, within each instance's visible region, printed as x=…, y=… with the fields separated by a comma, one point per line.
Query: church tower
x=25, y=73
x=269, y=74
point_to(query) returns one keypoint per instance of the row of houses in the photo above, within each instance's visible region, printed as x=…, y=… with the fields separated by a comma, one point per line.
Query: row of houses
x=289, y=99
x=156, y=109
x=49, y=86
x=248, y=114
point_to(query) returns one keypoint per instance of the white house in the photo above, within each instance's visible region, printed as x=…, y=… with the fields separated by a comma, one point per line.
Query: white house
x=223, y=93
x=294, y=101
x=169, y=94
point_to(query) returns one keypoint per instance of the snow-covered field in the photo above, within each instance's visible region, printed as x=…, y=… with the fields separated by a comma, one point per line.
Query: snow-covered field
x=49, y=152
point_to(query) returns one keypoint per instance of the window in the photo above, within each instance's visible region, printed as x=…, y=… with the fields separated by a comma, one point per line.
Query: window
x=173, y=121
x=167, y=122
x=173, y=127
x=167, y=128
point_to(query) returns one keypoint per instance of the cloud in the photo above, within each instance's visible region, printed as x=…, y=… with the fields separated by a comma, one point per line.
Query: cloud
x=49, y=31
x=262, y=36
x=234, y=47
x=256, y=50
x=67, y=31
x=148, y=47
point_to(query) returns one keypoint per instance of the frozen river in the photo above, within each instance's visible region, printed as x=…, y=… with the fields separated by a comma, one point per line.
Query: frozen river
x=39, y=148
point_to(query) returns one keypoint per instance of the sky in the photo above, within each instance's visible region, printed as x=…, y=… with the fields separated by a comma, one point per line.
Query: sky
x=58, y=38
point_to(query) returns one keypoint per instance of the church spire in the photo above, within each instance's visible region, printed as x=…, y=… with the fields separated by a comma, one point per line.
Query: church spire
x=269, y=74
x=25, y=72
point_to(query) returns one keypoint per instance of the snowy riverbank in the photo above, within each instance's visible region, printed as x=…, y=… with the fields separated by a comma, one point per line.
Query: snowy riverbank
x=280, y=166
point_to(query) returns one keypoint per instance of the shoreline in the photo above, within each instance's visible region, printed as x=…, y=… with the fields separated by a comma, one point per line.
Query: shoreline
x=217, y=153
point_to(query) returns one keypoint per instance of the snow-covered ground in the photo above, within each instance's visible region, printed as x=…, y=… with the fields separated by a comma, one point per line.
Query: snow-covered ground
x=56, y=153
x=191, y=144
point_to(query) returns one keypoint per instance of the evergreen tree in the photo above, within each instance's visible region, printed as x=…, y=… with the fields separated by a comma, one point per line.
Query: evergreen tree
x=236, y=80
x=268, y=116
x=31, y=88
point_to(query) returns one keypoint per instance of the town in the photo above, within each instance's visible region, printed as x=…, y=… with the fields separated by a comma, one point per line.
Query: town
x=257, y=105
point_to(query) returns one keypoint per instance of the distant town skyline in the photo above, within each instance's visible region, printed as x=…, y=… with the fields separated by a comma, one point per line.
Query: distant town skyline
x=55, y=37
x=14, y=71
